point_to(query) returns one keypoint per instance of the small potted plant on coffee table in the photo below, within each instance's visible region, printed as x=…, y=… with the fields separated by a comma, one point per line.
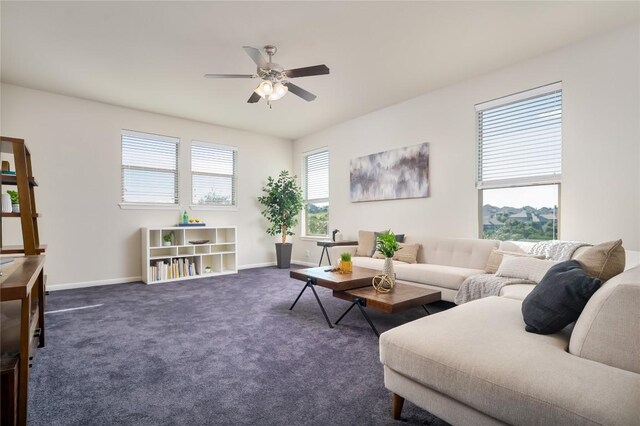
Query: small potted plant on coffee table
x=346, y=266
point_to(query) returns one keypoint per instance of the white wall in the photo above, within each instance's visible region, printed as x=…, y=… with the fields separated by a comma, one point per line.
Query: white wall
x=600, y=197
x=75, y=146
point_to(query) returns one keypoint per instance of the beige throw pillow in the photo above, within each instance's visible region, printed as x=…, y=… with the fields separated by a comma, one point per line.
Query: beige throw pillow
x=366, y=243
x=408, y=253
x=495, y=258
x=604, y=261
x=526, y=268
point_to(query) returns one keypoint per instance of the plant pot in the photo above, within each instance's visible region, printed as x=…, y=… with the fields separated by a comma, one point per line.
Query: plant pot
x=15, y=208
x=166, y=243
x=346, y=267
x=283, y=255
x=387, y=269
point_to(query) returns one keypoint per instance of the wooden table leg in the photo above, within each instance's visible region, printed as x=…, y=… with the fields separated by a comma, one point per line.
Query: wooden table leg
x=396, y=406
x=23, y=366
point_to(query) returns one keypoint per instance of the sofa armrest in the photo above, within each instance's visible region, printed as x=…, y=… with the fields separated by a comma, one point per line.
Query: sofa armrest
x=336, y=251
x=608, y=328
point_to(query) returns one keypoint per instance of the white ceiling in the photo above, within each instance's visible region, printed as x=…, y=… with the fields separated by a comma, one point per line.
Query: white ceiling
x=152, y=55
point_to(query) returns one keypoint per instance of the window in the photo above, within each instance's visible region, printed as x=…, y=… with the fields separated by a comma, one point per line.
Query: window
x=213, y=174
x=316, y=193
x=149, y=169
x=520, y=164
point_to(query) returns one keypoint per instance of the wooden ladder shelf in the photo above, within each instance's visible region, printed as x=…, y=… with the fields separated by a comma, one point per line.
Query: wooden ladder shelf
x=22, y=290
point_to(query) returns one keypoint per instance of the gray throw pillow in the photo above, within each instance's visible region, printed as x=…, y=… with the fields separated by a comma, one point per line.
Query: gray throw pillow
x=559, y=298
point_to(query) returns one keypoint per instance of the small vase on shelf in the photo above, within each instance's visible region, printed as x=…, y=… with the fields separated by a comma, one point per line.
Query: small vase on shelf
x=6, y=204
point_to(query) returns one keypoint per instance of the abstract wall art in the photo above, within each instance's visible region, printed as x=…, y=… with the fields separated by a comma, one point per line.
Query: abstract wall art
x=391, y=175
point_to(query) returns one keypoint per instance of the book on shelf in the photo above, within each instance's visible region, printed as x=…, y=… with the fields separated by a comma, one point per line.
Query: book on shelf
x=172, y=268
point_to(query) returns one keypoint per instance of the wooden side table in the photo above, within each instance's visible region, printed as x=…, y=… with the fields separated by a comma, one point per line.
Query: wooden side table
x=326, y=244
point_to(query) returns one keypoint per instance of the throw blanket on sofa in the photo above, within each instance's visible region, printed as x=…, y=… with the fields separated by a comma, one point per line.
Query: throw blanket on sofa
x=484, y=285
x=556, y=250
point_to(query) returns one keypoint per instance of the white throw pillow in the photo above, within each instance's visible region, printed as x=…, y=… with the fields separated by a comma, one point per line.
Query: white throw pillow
x=526, y=268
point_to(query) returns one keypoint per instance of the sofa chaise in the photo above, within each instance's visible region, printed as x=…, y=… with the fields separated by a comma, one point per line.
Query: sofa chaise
x=476, y=365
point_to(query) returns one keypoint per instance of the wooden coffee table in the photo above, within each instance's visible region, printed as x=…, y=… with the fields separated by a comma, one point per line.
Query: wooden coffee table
x=322, y=276
x=402, y=297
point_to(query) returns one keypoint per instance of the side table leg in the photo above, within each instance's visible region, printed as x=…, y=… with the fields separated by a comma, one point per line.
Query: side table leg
x=426, y=310
x=324, y=249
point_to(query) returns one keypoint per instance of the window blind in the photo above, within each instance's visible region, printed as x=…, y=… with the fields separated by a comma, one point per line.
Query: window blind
x=520, y=139
x=317, y=176
x=149, y=168
x=213, y=174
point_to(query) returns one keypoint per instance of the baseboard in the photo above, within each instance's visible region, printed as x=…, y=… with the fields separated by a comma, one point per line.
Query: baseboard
x=300, y=262
x=70, y=286
x=256, y=265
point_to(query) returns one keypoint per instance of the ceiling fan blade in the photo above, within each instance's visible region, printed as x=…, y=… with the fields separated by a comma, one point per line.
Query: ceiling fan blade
x=256, y=56
x=230, y=76
x=307, y=71
x=254, y=98
x=299, y=91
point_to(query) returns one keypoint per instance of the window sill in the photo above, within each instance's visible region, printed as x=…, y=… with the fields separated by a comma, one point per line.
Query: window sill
x=143, y=206
x=218, y=208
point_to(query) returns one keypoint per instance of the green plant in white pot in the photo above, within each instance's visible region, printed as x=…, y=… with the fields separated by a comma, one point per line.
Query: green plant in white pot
x=15, y=201
x=283, y=202
x=388, y=246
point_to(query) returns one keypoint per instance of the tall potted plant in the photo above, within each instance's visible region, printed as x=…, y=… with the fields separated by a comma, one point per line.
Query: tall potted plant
x=283, y=202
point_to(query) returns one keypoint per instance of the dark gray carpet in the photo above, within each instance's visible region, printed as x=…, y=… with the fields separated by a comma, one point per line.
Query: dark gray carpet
x=221, y=350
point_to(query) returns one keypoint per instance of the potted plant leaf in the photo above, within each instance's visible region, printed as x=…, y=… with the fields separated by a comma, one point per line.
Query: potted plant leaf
x=167, y=238
x=15, y=201
x=283, y=202
x=387, y=245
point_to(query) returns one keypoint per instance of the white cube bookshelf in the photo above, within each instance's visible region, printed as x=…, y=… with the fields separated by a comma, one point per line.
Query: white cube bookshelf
x=183, y=260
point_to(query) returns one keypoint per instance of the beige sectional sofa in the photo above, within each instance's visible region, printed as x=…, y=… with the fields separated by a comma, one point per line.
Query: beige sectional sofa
x=444, y=263
x=476, y=365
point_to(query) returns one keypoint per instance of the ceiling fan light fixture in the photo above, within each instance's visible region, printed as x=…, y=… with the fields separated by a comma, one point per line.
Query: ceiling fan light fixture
x=279, y=90
x=265, y=88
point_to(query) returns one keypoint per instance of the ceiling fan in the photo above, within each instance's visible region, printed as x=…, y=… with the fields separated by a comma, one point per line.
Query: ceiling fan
x=275, y=79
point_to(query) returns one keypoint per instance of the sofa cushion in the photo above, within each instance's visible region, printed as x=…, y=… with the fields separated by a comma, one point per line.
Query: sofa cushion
x=449, y=277
x=371, y=263
x=496, y=257
x=604, y=260
x=460, y=252
x=608, y=328
x=366, y=243
x=479, y=354
x=516, y=291
x=437, y=275
x=408, y=254
x=527, y=268
x=559, y=298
